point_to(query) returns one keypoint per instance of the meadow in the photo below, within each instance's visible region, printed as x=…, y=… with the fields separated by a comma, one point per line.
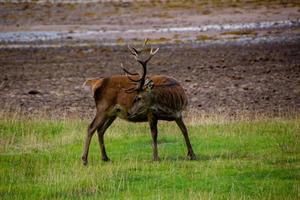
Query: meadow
x=244, y=159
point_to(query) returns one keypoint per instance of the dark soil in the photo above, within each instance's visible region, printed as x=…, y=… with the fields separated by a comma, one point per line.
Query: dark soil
x=217, y=78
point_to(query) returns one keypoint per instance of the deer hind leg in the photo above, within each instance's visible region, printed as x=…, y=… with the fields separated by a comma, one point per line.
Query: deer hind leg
x=153, y=127
x=101, y=130
x=184, y=131
x=90, y=132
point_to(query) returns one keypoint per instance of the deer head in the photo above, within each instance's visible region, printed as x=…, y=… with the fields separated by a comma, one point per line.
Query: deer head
x=142, y=83
x=143, y=98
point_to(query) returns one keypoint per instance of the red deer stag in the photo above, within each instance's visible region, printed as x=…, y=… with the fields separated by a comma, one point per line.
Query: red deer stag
x=137, y=99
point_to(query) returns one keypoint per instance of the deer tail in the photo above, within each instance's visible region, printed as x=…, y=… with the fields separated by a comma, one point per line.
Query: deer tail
x=92, y=84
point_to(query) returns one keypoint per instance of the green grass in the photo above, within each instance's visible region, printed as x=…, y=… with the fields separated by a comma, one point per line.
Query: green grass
x=40, y=159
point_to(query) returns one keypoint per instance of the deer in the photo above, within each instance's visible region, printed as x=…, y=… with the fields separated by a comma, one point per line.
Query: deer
x=136, y=98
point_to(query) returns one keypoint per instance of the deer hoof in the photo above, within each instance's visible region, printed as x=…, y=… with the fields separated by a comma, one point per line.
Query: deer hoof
x=192, y=157
x=84, y=161
x=156, y=159
x=105, y=159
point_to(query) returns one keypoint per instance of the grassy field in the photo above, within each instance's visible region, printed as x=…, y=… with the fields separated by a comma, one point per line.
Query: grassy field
x=40, y=159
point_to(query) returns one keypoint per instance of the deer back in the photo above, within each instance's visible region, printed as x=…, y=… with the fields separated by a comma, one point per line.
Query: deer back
x=167, y=97
x=168, y=94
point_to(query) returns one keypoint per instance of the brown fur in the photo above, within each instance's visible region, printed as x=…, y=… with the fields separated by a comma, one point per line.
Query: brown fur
x=94, y=83
x=165, y=101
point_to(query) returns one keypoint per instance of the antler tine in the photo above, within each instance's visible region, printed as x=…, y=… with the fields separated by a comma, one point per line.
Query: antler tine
x=153, y=52
x=136, y=81
x=133, y=51
x=145, y=42
x=128, y=72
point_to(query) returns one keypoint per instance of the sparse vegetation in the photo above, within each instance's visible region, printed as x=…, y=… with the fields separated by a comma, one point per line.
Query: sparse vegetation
x=177, y=41
x=240, y=32
x=204, y=37
x=120, y=41
x=40, y=159
x=90, y=14
x=160, y=40
x=162, y=15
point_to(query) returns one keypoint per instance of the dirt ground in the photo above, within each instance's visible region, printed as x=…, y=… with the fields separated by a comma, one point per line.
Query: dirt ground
x=262, y=77
x=227, y=77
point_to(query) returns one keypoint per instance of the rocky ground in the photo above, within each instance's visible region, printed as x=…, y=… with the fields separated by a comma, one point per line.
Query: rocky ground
x=259, y=75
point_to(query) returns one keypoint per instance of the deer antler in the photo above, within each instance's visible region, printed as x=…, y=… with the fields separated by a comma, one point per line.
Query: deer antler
x=130, y=73
x=152, y=53
x=136, y=52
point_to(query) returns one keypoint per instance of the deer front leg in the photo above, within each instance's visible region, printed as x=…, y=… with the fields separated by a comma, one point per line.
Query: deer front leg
x=90, y=132
x=153, y=127
x=101, y=131
x=184, y=131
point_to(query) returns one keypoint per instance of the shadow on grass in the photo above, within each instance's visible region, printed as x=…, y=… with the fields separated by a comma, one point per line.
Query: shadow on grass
x=205, y=157
x=225, y=156
x=179, y=158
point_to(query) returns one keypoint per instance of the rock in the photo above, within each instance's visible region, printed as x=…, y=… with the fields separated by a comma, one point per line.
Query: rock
x=194, y=99
x=34, y=92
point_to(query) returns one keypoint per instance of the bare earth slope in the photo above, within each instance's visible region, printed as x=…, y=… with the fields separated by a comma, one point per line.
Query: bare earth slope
x=238, y=69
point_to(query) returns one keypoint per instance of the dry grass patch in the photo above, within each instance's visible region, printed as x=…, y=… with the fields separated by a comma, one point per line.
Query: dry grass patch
x=240, y=32
x=205, y=37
